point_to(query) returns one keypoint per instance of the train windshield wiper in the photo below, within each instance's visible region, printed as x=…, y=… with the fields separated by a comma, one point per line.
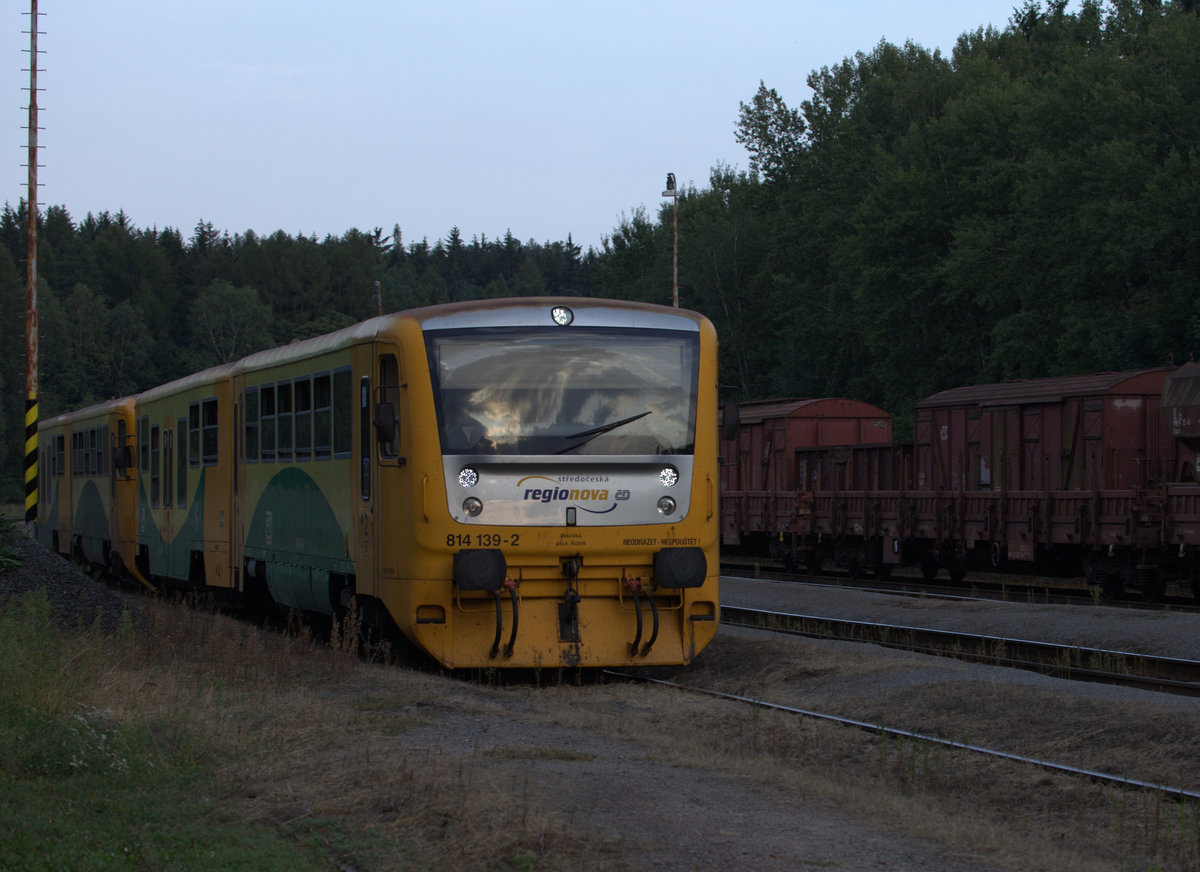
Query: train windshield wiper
x=588, y=435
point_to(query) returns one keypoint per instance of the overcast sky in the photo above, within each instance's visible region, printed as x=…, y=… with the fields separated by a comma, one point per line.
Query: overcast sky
x=543, y=118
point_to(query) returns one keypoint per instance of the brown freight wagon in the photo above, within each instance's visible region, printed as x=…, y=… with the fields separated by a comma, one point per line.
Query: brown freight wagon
x=774, y=462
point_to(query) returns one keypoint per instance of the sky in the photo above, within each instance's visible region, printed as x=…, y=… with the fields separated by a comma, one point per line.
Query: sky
x=543, y=118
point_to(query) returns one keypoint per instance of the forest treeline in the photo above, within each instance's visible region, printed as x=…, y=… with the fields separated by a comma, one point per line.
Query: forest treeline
x=1027, y=206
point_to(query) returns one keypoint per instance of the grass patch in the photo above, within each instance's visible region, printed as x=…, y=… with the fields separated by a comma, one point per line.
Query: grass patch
x=84, y=788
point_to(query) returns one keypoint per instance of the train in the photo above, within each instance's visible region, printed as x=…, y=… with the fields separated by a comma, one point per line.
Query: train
x=1089, y=476
x=525, y=483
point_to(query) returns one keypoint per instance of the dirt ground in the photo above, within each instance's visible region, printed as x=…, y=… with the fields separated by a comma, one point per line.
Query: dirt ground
x=619, y=776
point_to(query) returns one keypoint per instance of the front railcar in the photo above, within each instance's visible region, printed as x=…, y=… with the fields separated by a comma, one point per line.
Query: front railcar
x=562, y=486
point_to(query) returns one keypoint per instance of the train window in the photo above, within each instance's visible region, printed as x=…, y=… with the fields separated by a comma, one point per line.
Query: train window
x=144, y=445
x=284, y=424
x=579, y=391
x=181, y=463
x=389, y=392
x=193, y=434
x=155, y=457
x=209, y=435
x=322, y=416
x=102, y=452
x=304, y=409
x=343, y=421
x=251, y=406
x=364, y=436
x=168, y=469
x=266, y=434
x=60, y=452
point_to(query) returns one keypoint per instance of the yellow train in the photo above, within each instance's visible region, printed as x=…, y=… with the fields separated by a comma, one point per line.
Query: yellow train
x=518, y=483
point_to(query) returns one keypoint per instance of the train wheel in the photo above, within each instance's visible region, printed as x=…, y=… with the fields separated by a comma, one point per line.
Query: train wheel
x=1196, y=589
x=1111, y=585
x=957, y=575
x=883, y=570
x=929, y=569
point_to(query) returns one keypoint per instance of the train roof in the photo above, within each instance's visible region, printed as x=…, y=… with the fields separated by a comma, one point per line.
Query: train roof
x=753, y=411
x=95, y=410
x=1051, y=390
x=1182, y=387
x=468, y=312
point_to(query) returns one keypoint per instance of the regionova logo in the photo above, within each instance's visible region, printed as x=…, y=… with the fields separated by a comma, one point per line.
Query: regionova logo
x=589, y=493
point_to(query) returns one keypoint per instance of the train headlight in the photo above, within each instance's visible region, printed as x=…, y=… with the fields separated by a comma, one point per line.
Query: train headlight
x=668, y=475
x=468, y=477
x=666, y=505
x=562, y=316
x=473, y=506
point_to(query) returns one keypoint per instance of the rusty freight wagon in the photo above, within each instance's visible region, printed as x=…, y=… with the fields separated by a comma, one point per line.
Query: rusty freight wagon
x=781, y=453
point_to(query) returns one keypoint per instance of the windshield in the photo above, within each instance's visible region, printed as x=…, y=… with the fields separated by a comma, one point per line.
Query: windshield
x=578, y=391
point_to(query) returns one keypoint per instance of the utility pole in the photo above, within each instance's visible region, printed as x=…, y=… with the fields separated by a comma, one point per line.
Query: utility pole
x=31, y=318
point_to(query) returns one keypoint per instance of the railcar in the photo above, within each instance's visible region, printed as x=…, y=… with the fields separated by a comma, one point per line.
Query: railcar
x=87, y=490
x=524, y=483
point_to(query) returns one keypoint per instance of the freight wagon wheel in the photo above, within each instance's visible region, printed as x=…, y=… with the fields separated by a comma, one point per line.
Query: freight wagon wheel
x=883, y=571
x=1153, y=584
x=1196, y=589
x=957, y=575
x=1111, y=585
x=929, y=569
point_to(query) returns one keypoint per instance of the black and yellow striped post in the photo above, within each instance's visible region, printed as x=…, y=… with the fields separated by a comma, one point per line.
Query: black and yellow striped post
x=31, y=459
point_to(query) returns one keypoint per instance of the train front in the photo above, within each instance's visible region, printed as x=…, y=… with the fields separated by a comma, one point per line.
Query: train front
x=577, y=487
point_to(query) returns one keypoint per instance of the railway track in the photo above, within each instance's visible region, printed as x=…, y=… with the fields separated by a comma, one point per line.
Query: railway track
x=1074, y=662
x=1176, y=793
x=1006, y=588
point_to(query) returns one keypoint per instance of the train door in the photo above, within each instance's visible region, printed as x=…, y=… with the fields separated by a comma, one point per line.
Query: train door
x=365, y=487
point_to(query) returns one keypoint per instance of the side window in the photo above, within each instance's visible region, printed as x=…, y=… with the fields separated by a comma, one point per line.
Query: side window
x=168, y=467
x=155, y=457
x=144, y=445
x=251, y=405
x=209, y=436
x=284, y=422
x=266, y=434
x=364, y=436
x=303, y=419
x=193, y=434
x=322, y=416
x=389, y=392
x=343, y=412
x=181, y=462
x=60, y=452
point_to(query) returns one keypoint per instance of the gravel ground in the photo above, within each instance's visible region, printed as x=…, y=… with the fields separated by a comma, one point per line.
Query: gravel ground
x=75, y=599
x=1142, y=631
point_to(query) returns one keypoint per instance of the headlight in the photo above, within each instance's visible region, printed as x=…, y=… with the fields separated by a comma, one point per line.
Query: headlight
x=468, y=477
x=668, y=475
